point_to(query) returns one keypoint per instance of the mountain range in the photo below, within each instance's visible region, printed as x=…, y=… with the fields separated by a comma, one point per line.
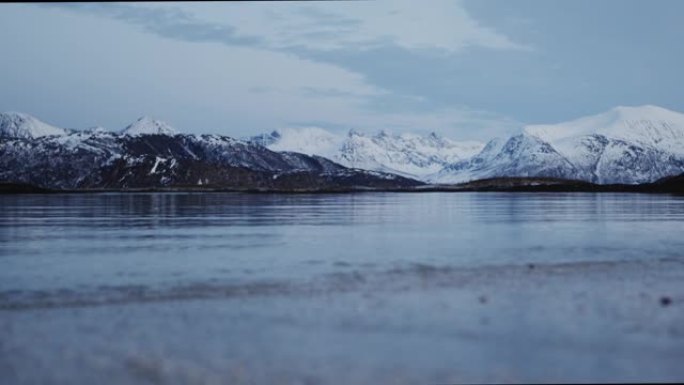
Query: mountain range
x=628, y=145
x=625, y=145
x=151, y=154
x=409, y=155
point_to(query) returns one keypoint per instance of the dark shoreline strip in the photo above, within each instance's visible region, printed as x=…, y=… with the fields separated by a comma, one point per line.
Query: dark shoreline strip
x=673, y=185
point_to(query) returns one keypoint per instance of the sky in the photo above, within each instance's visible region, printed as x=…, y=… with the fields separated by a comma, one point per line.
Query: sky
x=470, y=69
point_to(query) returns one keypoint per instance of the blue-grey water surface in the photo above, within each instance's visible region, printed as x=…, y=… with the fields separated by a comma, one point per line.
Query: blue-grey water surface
x=451, y=287
x=86, y=240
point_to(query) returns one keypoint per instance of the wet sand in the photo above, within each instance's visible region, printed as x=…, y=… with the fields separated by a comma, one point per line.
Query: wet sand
x=612, y=321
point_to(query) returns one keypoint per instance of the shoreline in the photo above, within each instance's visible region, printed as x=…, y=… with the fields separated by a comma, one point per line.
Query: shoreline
x=670, y=185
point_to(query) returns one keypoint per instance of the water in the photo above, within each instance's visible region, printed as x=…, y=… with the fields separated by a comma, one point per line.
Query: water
x=85, y=241
x=254, y=287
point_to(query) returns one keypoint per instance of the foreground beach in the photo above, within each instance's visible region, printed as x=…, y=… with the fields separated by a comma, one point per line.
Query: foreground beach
x=576, y=322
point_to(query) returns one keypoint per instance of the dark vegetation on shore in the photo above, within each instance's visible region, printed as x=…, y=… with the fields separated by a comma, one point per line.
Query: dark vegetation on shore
x=292, y=184
x=674, y=184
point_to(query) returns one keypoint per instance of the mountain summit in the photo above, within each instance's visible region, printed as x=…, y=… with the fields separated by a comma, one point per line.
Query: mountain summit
x=623, y=145
x=649, y=125
x=20, y=125
x=148, y=126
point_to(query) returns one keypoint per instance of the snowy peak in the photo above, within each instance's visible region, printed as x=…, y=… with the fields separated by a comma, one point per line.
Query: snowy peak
x=649, y=125
x=20, y=125
x=405, y=154
x=622, y=145
x=148, y=126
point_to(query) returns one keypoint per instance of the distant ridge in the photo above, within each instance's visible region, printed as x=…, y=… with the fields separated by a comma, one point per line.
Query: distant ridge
x=410, y=155
x=150, y=155
x=625, y=145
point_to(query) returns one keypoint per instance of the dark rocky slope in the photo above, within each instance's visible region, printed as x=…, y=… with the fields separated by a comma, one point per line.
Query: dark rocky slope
x=108, y=161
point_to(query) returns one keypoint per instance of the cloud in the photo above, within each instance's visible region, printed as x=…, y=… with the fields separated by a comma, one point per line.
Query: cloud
x=169, y=22
x=353, y=80
x=441, y=25
x=437, y=25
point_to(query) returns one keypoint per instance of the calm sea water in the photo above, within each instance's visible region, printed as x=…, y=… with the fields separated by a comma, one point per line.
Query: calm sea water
x=84, y=241
x=302, y=256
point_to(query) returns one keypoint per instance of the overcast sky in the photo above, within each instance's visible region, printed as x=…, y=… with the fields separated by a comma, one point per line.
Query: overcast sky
x=465, y=69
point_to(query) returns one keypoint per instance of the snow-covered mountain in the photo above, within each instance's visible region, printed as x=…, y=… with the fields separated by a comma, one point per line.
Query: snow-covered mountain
x=149, y=154
x=410, y=155
x=627, y=145
x=624, y=145
x=648, y=125
x=148, y=126
x=19, y=125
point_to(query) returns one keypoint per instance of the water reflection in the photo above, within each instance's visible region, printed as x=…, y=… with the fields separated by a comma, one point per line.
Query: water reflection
x=68, y=240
